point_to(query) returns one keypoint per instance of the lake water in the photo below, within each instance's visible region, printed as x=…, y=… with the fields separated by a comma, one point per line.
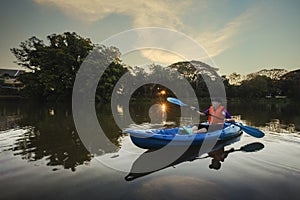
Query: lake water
x=42, y=156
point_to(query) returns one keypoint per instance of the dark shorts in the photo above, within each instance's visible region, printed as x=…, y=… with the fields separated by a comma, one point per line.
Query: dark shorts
x=203, y=126
x=211, y=127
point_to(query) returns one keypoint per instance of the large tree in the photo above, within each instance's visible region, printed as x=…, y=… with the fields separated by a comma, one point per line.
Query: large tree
x=258, y=87
x=290, y=84
x=201, y=76
x=52, y=67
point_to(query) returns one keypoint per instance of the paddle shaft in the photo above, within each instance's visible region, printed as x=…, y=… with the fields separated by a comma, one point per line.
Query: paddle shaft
x=208, y=114
x=223, y=119
x=250, y=130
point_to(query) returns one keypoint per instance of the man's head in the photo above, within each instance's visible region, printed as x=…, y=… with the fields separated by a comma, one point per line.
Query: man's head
x=216, y=102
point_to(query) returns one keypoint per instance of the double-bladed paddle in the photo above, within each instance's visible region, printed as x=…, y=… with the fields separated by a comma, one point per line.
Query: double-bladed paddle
x=253, y=147
x=247, y=129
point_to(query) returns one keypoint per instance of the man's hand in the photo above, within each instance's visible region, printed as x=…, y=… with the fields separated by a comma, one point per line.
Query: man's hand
x=193, y=108
x=229, y=120
x=199, y=112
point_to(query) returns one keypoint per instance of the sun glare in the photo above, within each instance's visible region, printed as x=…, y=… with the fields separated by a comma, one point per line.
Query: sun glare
x=163, y=107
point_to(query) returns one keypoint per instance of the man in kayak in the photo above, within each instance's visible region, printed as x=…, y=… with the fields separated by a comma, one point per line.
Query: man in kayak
x=216, y=115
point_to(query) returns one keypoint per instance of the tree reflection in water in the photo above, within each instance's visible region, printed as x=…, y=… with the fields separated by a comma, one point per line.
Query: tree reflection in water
x=276, y=126
x=50, y=134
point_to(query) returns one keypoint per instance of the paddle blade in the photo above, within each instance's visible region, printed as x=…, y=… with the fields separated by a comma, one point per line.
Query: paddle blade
x=253, y=131
x=256, y=146
x=175, y=101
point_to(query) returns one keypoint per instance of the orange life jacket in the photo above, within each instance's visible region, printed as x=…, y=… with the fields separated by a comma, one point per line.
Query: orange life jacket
x=218, y=113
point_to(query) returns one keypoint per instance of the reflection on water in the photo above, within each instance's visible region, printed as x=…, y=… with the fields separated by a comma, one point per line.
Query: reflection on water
x=185, y=121
x=30, y=144
x=9, y=122
x=37, y=142
x=261, y=113
x=120, y=110
x=276, y=126
x=158, y=114
x=49, y=132
x=10, y=116
x=217, y=154
x=57, y=147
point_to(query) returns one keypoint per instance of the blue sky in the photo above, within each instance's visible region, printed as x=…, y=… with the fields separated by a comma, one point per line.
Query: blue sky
x=239, y=36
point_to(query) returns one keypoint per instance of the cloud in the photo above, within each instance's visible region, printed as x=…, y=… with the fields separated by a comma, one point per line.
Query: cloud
x=154, y=13
x=160, y=13
x=214, y=41
x=160, y=56
x=218, y=40
x=144, y=13
x=174, y=47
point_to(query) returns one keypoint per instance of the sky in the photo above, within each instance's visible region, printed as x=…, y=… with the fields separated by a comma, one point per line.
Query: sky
x=238, y=36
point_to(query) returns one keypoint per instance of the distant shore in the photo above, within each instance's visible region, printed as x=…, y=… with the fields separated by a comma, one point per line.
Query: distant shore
x=10, y=97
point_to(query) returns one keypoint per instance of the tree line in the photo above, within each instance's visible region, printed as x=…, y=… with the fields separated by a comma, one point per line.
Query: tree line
x=51, y=68
x=260, y=86
x=51, y=71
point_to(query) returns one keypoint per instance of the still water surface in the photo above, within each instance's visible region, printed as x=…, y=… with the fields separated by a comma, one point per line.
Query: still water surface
x=42, y=157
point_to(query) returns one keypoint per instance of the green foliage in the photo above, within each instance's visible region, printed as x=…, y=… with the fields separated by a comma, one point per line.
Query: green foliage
x=256, y=87
x=199, y=75
x=53, y=66
x=108, y=81
x=262, y=86
x=290, y=84
x=33, y=85
x=51, y=71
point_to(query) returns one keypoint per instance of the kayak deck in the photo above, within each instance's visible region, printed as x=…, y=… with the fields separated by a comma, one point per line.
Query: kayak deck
x=157, y=138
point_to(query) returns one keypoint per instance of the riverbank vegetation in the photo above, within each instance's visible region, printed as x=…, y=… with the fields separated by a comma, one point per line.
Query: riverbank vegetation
x=51, y=71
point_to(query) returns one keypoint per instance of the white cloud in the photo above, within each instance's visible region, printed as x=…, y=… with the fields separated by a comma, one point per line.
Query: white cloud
x=217, y=41
x=154, y=13
x=160, y=56
x=159, y=13
x=145, y=13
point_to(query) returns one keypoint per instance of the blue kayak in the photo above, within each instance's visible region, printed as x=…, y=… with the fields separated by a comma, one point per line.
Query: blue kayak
x=179, y=136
